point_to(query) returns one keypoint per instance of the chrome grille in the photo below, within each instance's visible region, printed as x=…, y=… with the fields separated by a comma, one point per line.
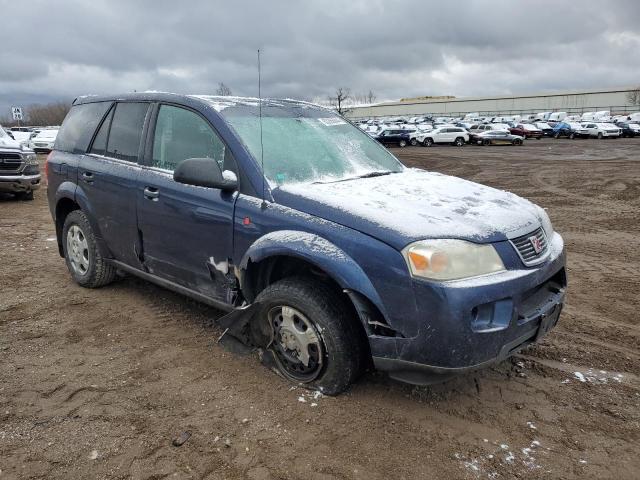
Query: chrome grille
x=526, y=247
x=10, y=162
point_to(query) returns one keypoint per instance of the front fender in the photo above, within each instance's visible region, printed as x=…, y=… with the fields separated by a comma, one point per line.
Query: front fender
x=317, y=251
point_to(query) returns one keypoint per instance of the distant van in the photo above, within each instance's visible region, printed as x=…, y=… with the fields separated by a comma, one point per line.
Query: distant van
x=557, y=116
x=543, y=116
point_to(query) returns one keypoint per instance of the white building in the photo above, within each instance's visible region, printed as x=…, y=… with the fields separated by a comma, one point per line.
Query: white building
x=573, y=102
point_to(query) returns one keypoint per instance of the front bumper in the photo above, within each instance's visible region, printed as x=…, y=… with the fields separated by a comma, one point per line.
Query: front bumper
x=470, y=324
x=19, y=183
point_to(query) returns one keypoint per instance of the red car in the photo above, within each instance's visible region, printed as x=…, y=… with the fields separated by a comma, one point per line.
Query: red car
x=526, y=130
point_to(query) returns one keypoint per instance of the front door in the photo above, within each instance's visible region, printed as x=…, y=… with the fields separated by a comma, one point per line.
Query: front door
x=187, y=231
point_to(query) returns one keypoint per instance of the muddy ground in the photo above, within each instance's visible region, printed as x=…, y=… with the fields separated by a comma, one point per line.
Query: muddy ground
x=97, y=383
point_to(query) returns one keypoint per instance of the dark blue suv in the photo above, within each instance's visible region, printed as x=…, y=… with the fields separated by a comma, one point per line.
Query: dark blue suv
x=329, y=255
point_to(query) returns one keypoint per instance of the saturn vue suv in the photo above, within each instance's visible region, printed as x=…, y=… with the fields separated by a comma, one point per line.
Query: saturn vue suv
x=329, y=256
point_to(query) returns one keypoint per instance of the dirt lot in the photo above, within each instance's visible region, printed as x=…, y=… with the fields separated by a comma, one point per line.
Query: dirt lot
x=97, y=383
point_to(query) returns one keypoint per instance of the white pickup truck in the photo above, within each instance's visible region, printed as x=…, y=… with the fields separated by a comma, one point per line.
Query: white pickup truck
x=602, y=130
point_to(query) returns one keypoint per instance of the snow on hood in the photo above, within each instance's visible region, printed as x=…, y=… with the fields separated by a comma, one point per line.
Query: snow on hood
x=8, y=142
x=412, y=205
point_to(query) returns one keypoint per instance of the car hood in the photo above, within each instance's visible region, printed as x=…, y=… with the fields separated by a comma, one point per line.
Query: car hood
x=403, y=207
x=8, y=142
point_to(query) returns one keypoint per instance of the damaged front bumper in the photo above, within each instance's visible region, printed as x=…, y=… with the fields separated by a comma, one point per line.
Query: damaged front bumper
x=468, y=325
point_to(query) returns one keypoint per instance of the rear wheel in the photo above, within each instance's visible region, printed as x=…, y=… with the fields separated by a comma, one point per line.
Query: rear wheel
x=517, y=141
x=413, y=142
x=556, y=135
x=313, y=338
x=427, y=142
x=572, y=136
x=402, y=143
x=84, y=261
x=486, y=142
x=459, y=142
x=599, y=135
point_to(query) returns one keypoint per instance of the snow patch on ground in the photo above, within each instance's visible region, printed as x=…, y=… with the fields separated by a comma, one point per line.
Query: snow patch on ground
x=482, y=465
x=600, y=376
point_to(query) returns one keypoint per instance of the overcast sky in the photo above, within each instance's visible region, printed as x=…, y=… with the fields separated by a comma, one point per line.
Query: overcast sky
x=59, y=50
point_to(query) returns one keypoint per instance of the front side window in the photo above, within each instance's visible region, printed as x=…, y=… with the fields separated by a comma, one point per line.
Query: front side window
x=182, y=134
x=302, y=143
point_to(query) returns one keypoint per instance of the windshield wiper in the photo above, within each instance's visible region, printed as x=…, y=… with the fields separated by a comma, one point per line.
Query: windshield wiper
x=365, y=175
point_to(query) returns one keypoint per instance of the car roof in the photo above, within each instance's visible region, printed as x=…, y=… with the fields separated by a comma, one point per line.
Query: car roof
x=218, y=102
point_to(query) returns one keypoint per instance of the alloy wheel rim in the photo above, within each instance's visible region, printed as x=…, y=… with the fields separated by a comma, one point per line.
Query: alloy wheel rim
x=78, y=250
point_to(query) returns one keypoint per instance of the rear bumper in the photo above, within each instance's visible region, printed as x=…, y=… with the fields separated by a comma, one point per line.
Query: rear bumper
x=19, y=183
x=466, y=325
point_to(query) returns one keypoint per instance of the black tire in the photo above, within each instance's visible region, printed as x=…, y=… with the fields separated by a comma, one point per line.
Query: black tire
x=97, y=272
x=556, y=135
x=342, y=340
x=572, y=136
x=599, y=135
x=486, y=142
x=517, y=141
x=539, y=138
x=413, y=142
x=25, y=196
x=402, y=143
x=459, y=142
x=427, y=142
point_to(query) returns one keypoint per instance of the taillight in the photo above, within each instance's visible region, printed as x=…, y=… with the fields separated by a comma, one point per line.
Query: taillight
x=46, y=166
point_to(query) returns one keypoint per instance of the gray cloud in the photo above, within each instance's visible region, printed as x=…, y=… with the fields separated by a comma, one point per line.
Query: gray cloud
x=397, y=49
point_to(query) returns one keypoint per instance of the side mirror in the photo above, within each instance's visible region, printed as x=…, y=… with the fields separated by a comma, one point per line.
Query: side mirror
x=204, y=172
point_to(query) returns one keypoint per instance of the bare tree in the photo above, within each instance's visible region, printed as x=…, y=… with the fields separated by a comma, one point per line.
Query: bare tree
x=223, y=90
x=49, y=114
x=633, y=97
x=338, y=100
x=371, y=97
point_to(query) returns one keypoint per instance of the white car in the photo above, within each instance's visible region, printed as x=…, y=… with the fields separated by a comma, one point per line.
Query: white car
x=21, y=134
x=601, y=130
x=453, y=135
x=43, y=141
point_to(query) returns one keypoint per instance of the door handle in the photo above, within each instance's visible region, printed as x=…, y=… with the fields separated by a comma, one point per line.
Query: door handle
x=87, y=177
x=151, y=193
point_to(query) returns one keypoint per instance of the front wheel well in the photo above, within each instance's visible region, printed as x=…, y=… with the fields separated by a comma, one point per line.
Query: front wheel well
x=63, y=208
x=259, y=275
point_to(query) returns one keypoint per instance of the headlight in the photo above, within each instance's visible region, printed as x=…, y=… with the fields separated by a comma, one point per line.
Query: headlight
x=451, y=259
x=31, y=159
x=546, y=223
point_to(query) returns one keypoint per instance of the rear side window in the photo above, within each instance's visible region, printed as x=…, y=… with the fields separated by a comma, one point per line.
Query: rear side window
x=182, y=134
x=78, y=126
x=124, y=136
x=99, y=146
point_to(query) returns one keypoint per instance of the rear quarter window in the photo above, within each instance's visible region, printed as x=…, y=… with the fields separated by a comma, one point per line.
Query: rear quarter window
x=79, y=125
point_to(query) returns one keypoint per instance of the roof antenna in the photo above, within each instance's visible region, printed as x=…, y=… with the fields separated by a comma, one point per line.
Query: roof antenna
x=264, y=204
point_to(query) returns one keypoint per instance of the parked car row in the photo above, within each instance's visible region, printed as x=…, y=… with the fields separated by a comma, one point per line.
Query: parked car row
x=38, y=139
x=402, y=133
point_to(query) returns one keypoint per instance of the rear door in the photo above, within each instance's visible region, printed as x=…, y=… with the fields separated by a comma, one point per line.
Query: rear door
x=108, y=176
x=187, y=231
